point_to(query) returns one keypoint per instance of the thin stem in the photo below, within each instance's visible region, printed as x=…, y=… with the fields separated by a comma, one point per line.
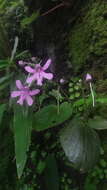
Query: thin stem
x=58, y=104
x=92, y=94
x=54, y=8
x=14, y=48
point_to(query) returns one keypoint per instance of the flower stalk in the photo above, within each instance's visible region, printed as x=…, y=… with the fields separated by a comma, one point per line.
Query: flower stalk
x=92, y=94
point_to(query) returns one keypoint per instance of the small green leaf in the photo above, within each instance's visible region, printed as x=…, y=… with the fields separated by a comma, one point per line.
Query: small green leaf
x=71, y=84
x=76, y=87
x=71, y=89
x=103, y=163
x=77, y=94
x=48, y=117
x=28, y=20
x=40, y=167
x=98, y=123
x=22, y=133
x=72, y=97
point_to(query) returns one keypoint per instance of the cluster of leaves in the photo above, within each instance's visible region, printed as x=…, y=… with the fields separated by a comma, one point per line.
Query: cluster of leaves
x=75, y=88
x=96, y=176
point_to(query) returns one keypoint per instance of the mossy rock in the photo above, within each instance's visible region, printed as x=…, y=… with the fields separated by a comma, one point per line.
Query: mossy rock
x=88, y=37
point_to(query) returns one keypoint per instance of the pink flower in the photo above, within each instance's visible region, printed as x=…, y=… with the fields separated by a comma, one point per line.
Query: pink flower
x=24, y=93
x=21, y=62
x=38, y=73
x=88, y=77
x=62, y=81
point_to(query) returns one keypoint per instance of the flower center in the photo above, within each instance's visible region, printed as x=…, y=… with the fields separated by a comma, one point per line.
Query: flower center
x=25, y=91
x=38, y=68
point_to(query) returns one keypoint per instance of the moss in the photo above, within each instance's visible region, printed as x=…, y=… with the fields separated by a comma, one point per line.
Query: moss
x=101, y=87
x=88, y=37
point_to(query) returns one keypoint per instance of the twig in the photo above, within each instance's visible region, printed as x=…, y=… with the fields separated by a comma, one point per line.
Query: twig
x=54, y=8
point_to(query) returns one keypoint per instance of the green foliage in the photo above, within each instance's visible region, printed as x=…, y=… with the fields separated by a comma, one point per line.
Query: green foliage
x=40, y=167
x=96, y=175
x=49, y=117
x=89, y=36
x=5, y=49
x=75, y=88
x=89, y=186
x=2, y=109
x=51, y=173
x=22, y=133
x=4, y=64
x=28, y=20
x=81, y=144
x=7, y=164
x=98, y=123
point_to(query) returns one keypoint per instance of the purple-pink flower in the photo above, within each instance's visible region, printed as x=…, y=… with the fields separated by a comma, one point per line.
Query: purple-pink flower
x=22, y=63
x=38, y=73
x=61, y=80
x=88, y=77
x=24, y=93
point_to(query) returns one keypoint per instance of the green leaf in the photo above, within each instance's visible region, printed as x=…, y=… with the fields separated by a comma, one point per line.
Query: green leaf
x=22, y=133
x=40, y=167
x=4, y=64
x=48, y=116
x=2, y=109
x=28, y=20
x=51, y=173
x=89, y=186
x=77, y=94
x=4, y=85
x=98, y=123
x=102, y=100
x=7, y=77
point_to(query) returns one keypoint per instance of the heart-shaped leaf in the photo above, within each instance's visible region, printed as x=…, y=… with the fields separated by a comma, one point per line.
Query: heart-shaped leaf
x=48, y=116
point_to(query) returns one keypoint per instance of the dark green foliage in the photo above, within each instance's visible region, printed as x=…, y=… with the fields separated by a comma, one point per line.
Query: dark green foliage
x=2, y=109
x=51, y=174
x=7, y=161
x=22, y=131
x=98, y=123
x=48, y=116
x=88, y=37
x=81, y=144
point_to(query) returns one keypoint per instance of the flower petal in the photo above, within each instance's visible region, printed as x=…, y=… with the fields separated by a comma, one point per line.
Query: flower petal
x=20, y=101
x=19, y=84
x=31, y=79
x=45, y=67
x=29, y=69
x=29, y=100
x=39, y=80
x=34, y=92
x=48, y=76
x=21, y=62
x=88, y=77
x=15, y=94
